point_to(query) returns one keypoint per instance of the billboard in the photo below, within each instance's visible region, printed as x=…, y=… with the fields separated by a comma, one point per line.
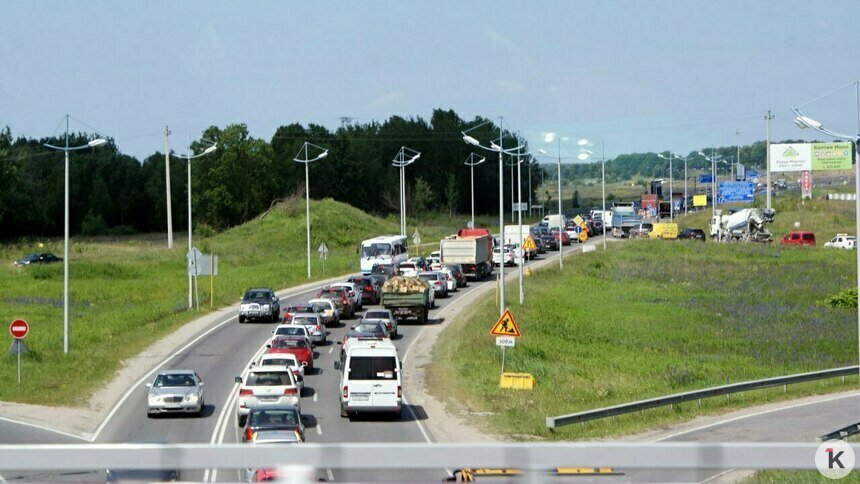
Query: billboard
x=736, y=192
x=700, y=200
x=810, y=156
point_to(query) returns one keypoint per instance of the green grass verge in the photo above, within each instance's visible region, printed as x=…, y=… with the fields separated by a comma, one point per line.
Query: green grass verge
x=798, y=477
x=649, y=318
x=127, y=293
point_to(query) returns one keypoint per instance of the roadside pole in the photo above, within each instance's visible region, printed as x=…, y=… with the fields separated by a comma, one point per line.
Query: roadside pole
x=211, y=280
x=19, y=330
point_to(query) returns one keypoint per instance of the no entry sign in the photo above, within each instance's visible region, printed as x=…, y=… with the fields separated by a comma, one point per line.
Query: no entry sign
x=19, y=329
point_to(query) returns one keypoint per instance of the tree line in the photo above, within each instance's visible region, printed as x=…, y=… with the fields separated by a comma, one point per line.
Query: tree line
x=114, y=193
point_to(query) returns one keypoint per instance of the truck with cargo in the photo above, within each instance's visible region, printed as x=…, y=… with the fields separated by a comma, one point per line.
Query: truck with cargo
x=624, y=218
x=516, y=235
x=407, y=297
x=472, y=249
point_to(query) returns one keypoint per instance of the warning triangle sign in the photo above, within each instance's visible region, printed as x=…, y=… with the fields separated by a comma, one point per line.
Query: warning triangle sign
x=506, y=326
x=529, y=243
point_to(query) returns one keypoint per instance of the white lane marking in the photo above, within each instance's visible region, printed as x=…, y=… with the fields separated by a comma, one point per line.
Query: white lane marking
x=176, y=353
x=211, y=475
x=47, y=429
x=330, y=350
x=757, y=414
x=319, y=429
x=315, y=395
x=717, y=476
x=329, y=474
x=148, y=375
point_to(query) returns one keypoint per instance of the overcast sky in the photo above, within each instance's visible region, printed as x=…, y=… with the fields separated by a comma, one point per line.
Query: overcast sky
x=641, y=75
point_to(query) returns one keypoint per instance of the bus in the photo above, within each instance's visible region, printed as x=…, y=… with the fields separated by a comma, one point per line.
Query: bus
x=385, y=249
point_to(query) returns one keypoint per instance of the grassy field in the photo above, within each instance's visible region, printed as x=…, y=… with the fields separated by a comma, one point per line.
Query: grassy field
x=650, y=318
x=126, y=293
x=801, y=477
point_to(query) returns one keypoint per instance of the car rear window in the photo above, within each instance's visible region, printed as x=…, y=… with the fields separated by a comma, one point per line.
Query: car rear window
x=273, y=418
x=304, y=320
x=288, y=343
x=372, y=368
x=268, y=379
x=290, y=331
x=278, y=361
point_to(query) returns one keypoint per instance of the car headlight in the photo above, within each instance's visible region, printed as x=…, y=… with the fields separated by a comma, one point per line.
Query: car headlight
x=266, y=307
x=154, y=398
x=191, y=397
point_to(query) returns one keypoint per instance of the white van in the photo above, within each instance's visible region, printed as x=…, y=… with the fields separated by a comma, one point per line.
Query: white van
x=370, y=378
x=554, y=220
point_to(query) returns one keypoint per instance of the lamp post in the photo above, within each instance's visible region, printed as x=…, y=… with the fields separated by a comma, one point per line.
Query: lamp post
x=188, y=157
x=471, y=163
x=307, y=161
x=400, y=161
x=713, y=159
x=802, y=121
x=768, y=118
x=66, y=149
x=560, y=225
x=500, y=149
x=671, y=200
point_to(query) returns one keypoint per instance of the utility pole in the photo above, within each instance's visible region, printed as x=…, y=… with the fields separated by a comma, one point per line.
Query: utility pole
x=767, y=147
x=167, y=182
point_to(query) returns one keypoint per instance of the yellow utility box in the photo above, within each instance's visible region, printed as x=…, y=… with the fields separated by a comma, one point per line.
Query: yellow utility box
x=666, y=230
x=517, y=381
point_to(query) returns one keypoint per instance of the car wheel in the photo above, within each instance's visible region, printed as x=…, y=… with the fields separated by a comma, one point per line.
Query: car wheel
x=240, y=420
x=202, y=406
x=343, y=412
x=241, y=319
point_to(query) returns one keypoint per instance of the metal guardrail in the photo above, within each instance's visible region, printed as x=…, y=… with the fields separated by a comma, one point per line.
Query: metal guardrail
x=388, y=456
x=842, y=433
x=554, y=422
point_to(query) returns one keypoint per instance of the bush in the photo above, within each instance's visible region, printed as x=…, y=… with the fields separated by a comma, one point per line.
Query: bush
x=122, y=230
x=93, y=225
x=843, y=299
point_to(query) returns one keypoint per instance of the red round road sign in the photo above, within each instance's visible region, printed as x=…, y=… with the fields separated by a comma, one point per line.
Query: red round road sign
x=19, y=328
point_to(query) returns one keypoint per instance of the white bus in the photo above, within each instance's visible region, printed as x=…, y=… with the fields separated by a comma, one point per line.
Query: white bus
x=385, y=249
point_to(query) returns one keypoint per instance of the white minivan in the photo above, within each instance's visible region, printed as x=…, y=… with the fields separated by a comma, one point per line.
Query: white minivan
x=370, y=378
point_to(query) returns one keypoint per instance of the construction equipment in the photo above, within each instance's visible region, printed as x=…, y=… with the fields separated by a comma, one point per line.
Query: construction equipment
x=745, y=225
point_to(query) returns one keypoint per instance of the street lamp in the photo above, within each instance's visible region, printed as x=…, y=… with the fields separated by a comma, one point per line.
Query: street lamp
x=584, y=154
x=499, y=148
x=802, y=121
x=560, y=227
x=66, y=149
x=306, y=162
x=402, y=162
x=188, y=157
x=471, y=163
x=671, y=200
x=713, y=158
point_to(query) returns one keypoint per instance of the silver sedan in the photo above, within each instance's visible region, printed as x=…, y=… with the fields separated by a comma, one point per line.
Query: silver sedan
x=178, y=391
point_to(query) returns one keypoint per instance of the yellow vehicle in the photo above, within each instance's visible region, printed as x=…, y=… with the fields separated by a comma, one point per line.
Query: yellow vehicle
x=561, y=474
x=665, y=230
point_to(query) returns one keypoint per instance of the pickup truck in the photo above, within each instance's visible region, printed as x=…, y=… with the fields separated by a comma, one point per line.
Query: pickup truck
x=408, y=297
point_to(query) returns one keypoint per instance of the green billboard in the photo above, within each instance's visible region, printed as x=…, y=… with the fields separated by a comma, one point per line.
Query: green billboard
x=831, y=156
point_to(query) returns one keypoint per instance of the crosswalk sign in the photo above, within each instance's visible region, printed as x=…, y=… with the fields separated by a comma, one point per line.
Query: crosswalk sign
x=506, y=326
x=529, y=243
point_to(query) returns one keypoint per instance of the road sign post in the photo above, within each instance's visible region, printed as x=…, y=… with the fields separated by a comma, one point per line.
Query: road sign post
x=19, y=330
x=505, y=330
x=323, y=251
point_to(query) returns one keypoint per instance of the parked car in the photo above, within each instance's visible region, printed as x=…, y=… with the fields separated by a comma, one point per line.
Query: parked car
x=281, y=417
x=693, y=234
x=842, y=241
x=294, y=346
x=265, y=386
x=43, y=258
x=457, y=272
x=381, y=316
x=340, y=297
x=327, y=310
x=370, y=290
x=260, y=303
x=798, y=238
x=437, y=282
x=175, y=391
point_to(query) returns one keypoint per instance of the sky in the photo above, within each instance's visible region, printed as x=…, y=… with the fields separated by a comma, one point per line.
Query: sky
x=635, y=75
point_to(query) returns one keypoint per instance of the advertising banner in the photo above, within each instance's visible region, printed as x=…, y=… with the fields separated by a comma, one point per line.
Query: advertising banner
x=700, y=200
x=806, y=184
x=736, y=192
x=810, y=156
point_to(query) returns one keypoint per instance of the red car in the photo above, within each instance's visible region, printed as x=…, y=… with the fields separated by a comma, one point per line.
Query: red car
x=295, y=346
x=798, y=238
x=340, y=297
x=565, y=240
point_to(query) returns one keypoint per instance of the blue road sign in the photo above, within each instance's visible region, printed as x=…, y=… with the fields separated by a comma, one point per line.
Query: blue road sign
x=736, y=192
x=706, y=179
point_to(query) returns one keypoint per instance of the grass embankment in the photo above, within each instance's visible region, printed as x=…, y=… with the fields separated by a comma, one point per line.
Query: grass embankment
x=649, y=318
x=126, y=294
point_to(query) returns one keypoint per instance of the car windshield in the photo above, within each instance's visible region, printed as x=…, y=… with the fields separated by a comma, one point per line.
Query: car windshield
x=31, y=257
x=375, y=249
x=377, y=315
x=428, y=277
x=175, y=380
x=268, y=378
x=256, y=295
x=321, y=306
x=283, y=343
x=370, y=328
x=273, y=418
x=279, y=361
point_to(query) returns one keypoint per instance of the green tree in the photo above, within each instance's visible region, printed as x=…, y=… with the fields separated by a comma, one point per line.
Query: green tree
x=422, y=197
x=452, y=194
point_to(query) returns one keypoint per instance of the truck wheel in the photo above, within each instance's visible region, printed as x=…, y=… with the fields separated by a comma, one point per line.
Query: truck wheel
x=425, y=317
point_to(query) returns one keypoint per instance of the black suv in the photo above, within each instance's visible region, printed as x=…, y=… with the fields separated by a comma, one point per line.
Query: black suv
x=260, y=303
x=370, y=290
x=693, y=234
